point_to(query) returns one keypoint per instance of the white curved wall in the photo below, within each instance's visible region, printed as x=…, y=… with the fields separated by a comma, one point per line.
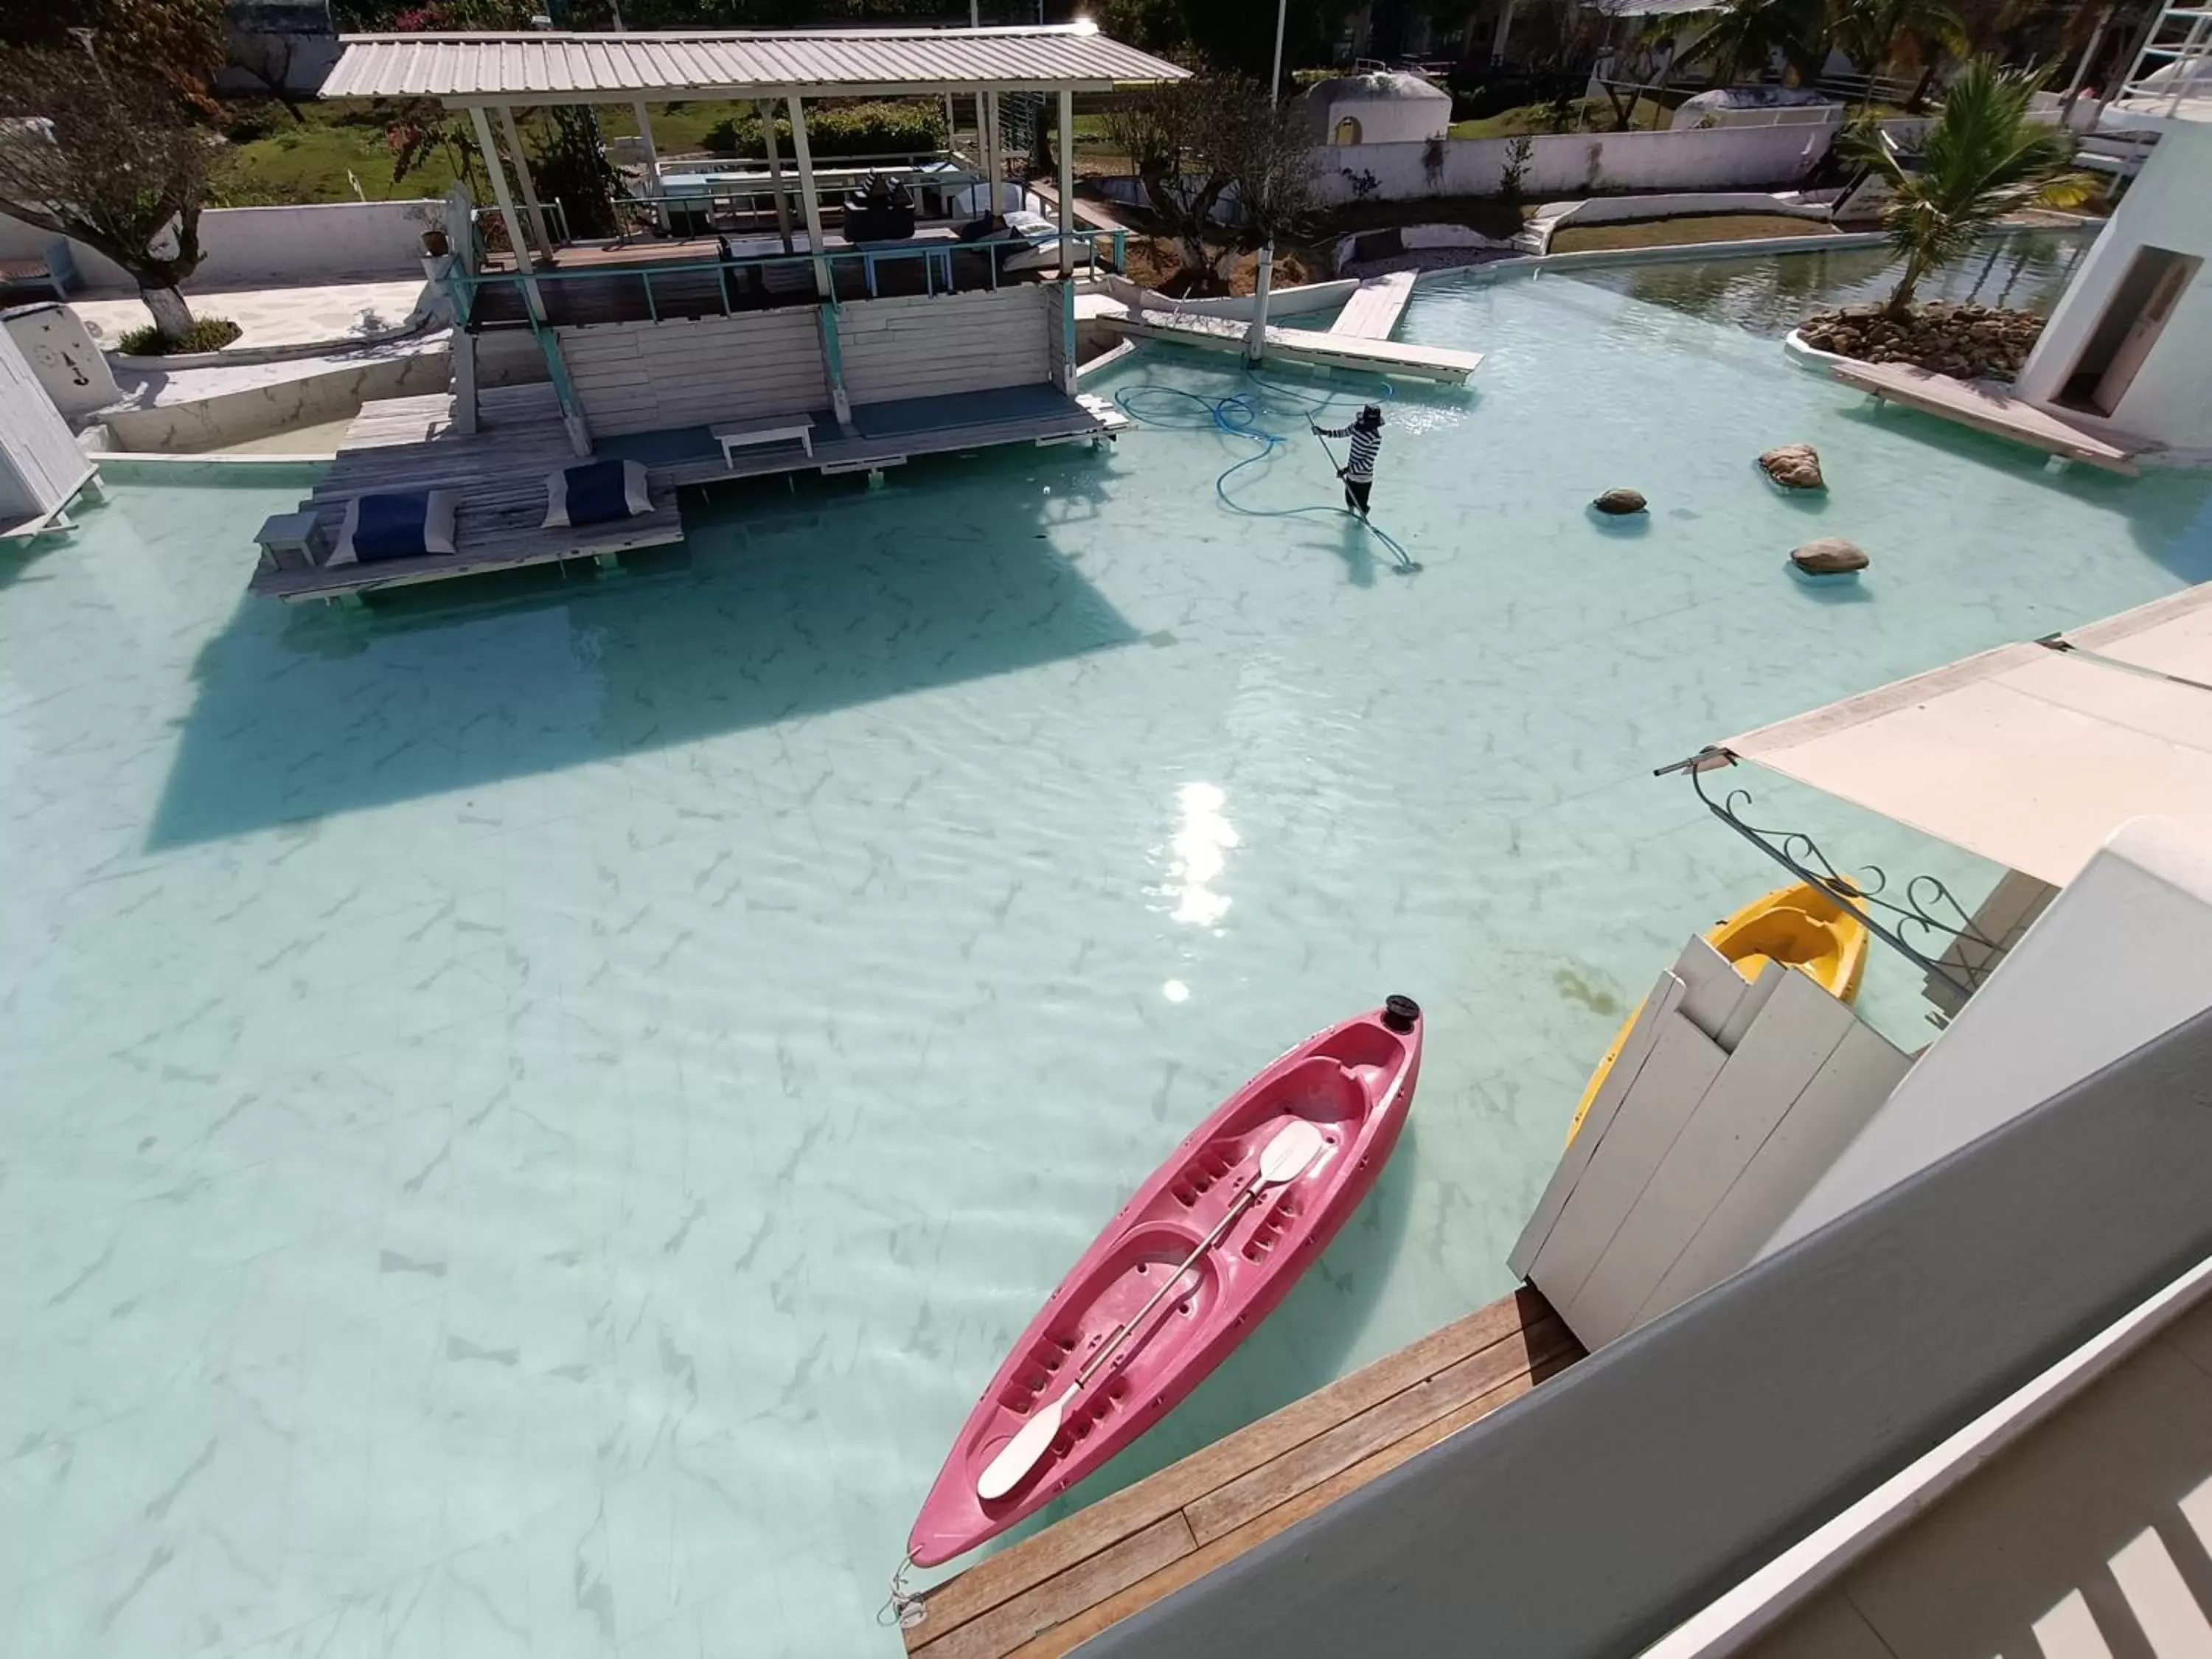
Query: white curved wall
x=2169, y=206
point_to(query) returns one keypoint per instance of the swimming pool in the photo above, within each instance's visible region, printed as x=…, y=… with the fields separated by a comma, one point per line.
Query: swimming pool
x=530, y=1114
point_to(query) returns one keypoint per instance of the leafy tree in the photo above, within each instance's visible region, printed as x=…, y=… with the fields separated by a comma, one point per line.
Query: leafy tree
x=1983, y=158
x=1915, y=33
x=108, y=153
x=1238, y=36
x=1190, y=140
x=176, y=44
x=1748, y=34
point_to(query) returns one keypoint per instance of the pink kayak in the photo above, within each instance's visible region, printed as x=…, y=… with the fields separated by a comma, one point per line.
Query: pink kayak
x=1226, y=1189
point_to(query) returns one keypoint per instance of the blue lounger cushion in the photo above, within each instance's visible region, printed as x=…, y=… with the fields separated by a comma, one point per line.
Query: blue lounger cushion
x=404, y=526
x=598, y=492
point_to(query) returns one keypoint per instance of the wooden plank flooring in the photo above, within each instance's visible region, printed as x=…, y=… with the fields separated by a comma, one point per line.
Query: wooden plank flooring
x=1375, y=307
x=409, y=443
x=1401, y=358
x=1986, y=409
x=1062, y=1586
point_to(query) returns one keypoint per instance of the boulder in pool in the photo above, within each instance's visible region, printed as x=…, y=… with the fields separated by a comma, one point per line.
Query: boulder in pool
x=1793, y=466
x=1830, y=556
x=1619, y=501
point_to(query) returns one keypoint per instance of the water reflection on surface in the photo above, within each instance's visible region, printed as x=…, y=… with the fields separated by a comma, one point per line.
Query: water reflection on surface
x=1771, y=294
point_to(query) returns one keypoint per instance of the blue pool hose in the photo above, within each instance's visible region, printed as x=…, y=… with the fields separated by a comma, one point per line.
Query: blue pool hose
x=1241, y=414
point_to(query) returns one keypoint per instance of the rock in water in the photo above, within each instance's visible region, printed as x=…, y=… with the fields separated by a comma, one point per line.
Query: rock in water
x=1793, y=466
x=1831, y=555
x=1618, y=502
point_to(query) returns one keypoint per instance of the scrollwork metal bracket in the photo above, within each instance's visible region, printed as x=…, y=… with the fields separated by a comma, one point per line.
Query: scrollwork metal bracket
x=1929, y=911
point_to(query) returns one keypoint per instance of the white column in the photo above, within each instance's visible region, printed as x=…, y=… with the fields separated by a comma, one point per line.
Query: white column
x=767, y=111
x=1067, y=137
x=989, y=106
x=1504, y=29
x=522, y=177
x=516, y=239
x=652, y=186
x=807, y=202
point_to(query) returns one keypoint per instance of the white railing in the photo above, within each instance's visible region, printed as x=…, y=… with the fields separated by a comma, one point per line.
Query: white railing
x=2173, y=74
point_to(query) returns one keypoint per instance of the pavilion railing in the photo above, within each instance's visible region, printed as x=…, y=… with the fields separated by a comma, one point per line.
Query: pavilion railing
x=785, y=279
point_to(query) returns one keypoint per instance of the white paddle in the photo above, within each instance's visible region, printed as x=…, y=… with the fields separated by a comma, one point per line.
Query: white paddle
x=1284, y=1158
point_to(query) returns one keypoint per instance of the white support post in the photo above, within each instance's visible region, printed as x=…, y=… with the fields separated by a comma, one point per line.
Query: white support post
x=501, y=194
x=1504, y=32
x=990, y=108
x=652, y=185
x=522, y=177
x=807, y=202
x=1067, y=137
x=766, y=108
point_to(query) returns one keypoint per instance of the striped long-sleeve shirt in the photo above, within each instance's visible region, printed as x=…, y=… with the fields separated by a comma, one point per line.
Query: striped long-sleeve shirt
x=1366, y=445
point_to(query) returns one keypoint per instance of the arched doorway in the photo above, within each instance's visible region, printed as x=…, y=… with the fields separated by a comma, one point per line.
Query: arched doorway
x=1347, y=131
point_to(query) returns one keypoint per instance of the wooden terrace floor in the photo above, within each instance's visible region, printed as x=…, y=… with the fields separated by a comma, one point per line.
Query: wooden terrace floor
x=1060, y=1587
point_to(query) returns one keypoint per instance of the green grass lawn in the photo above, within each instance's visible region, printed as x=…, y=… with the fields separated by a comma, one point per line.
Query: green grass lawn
x=1596, y=115
x=296, y=162
x=1668, y=233
x=309, y=162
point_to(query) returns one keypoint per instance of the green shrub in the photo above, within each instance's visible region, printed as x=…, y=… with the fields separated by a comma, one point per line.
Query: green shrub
x=839, y=129
x=206, y=334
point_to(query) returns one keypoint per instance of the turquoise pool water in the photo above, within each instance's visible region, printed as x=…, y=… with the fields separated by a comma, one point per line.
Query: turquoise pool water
x=529, y=1114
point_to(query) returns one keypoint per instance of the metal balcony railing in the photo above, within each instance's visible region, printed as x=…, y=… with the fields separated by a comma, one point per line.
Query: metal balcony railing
x=2173, y=74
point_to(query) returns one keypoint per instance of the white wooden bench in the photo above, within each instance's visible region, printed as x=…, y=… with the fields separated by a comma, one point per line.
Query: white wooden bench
x=734, y=438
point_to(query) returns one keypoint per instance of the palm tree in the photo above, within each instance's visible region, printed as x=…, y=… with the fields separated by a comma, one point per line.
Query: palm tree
x=1748, y=35
x=1982, y=159
x=1874, y=33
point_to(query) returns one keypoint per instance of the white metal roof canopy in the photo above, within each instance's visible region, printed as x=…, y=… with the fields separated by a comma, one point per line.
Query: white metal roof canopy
x=2029, y=755
x=545, y=66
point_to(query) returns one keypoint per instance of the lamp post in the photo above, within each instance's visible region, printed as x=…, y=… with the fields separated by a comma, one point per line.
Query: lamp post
x=1255, y=337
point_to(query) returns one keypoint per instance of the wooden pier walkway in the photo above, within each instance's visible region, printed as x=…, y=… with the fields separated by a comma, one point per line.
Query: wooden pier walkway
x=1060, y=1587
x=1375, y=307
x=1397, y=359
x=1985, y=408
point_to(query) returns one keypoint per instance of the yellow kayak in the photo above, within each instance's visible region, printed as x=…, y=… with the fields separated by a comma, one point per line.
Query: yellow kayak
x=1799, y=926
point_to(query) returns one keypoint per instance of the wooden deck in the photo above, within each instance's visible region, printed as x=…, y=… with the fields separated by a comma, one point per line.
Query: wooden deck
x=1060, y=1587
x=1985, y=408
x=1398, y=358
x=409, y=443
x=1375, y=307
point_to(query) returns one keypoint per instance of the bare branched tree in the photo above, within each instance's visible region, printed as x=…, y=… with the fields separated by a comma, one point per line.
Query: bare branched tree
x=1190, y=140
x=107, y=155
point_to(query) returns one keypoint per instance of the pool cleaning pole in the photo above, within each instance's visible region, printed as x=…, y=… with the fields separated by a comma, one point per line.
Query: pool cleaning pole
x=1255, y=337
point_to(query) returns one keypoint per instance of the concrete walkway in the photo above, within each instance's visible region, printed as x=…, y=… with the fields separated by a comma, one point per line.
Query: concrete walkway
x=271, y=316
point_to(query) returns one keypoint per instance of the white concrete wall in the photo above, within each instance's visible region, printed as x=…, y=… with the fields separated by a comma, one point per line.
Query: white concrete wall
x=2168, y=206
x=2123, y=954
x=271, y=246
x=1618, y=209
x=1718, y=159
x=277, y=401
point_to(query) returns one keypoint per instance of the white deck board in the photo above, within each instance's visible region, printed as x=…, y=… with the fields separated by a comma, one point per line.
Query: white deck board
x=1985, y=408
x=1375, y=307
x=1401, y=358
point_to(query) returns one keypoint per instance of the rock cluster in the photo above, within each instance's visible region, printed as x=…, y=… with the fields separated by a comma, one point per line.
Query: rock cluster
x=1830, y=556
x=1793, y=466
x=1618, y=502
x=1966, y=342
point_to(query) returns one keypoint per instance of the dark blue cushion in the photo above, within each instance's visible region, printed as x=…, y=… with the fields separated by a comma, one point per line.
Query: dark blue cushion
x=596, y=493
x=391, y=526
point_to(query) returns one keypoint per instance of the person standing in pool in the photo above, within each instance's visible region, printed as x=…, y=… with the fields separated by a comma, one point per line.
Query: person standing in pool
x=1359, y=471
